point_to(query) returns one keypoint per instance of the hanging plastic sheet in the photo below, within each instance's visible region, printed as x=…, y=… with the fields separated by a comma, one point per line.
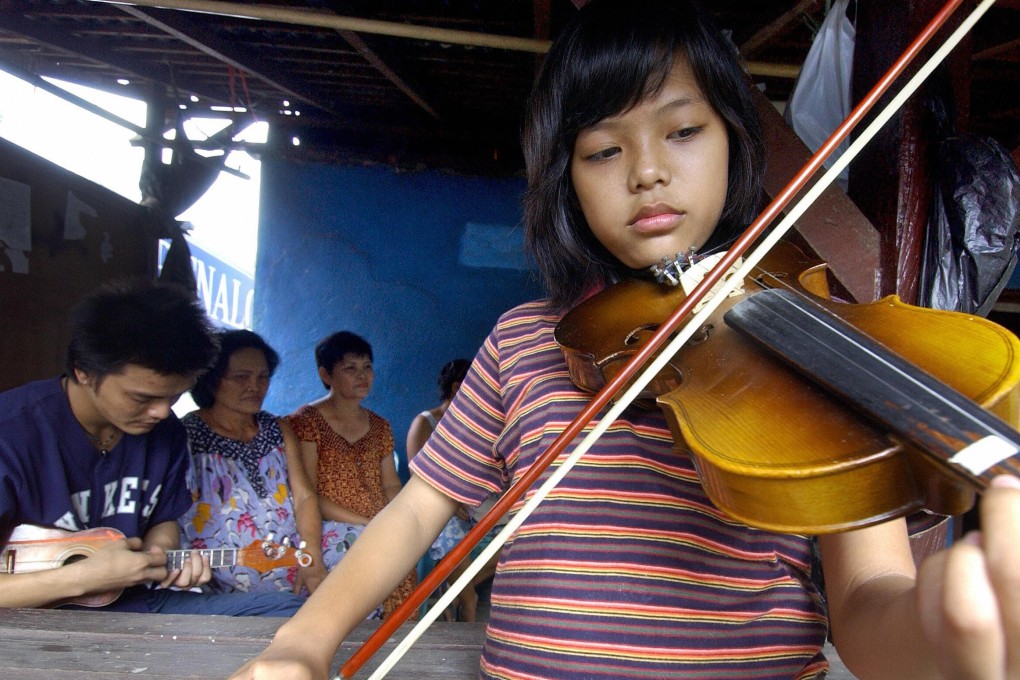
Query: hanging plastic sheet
x=821, y=96
x=971, y=246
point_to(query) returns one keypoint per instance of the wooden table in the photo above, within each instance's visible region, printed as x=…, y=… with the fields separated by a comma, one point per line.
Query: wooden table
x=40, y=643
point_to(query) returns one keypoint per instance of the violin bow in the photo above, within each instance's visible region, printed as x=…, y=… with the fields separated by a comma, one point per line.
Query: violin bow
x=653, y=364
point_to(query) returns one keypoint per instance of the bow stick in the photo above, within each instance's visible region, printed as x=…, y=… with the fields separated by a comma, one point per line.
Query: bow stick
x=658, y=339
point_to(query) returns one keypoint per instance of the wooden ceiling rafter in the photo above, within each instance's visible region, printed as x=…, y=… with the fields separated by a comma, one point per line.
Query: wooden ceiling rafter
x=306, y=17
x=776, y=28
x=359, y=45
x=90, y=52
x=193, y=35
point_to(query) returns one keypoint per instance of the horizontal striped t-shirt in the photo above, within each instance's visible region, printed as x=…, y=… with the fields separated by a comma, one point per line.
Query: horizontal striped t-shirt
x=626, y=570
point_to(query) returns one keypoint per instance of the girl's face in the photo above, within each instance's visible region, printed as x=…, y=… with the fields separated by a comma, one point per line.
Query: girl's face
x=652, y=180
x=352, y=377
x=243, y=387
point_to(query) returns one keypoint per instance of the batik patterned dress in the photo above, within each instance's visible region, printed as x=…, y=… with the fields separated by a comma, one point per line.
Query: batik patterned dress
x=242, y=495
x=349, y=474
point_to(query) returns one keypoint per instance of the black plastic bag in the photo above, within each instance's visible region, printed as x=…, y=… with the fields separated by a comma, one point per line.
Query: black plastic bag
x=971, y=244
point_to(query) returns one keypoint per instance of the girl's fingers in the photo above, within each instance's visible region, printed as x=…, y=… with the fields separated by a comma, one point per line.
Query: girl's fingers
x=969, y=596
x=971, y=641
x=1000, y=521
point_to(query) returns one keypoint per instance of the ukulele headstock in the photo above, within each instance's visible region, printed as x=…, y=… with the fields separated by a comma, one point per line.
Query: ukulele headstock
x=267, y=554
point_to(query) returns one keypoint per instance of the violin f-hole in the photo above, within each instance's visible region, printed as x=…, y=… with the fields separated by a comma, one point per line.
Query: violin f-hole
x=637, y=336
x=701, y=335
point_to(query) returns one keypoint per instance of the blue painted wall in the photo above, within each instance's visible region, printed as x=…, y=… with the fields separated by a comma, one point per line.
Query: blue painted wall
x=419, y=264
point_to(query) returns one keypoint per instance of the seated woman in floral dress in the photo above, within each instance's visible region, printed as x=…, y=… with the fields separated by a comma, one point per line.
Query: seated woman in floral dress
x=250, y=481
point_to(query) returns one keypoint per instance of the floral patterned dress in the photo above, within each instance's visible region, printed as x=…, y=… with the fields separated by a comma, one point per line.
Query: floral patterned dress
x=241, y=493
x=349, y=474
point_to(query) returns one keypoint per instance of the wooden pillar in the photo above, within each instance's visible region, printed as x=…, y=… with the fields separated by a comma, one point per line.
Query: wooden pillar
x=891, y=179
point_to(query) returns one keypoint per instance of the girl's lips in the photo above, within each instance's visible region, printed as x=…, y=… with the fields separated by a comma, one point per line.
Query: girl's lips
x=659, y=223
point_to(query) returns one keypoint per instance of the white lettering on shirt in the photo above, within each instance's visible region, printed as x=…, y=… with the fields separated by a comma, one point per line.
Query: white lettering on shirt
x=127, y=504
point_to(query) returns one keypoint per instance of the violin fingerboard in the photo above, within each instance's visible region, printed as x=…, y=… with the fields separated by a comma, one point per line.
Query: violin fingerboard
x=964, y=438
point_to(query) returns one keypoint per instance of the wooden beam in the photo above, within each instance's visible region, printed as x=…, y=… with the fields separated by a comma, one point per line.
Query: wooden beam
x=65, y=43
x=776, y=28
x=443, y=35
x=891, y=180
x=833, y=226
x=993, y=52
x=193, y=35
x=305, y=17
x=355, y=41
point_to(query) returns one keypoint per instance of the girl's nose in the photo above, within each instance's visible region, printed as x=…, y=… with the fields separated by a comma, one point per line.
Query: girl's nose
x=650, y=168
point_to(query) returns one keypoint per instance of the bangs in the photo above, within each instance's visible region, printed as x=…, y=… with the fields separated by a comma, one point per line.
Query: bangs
x=614, y=72
x=613, y=84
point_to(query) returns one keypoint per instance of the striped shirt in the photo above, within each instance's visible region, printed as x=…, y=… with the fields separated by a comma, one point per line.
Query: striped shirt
x=626, y=570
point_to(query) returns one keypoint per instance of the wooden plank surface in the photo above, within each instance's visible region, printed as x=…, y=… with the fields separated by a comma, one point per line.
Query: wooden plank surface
x=41, y=643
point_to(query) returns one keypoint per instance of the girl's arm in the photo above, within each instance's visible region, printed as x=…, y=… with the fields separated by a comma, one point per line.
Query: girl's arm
x=417, y=435
x=958, y=618
x=306, y=512
x=390, y=479
x=380, y=559
x=327, y=508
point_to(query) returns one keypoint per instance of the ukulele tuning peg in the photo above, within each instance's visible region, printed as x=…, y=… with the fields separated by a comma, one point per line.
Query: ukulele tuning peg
x=285, y=541
x=302, y=545
x=303, y=558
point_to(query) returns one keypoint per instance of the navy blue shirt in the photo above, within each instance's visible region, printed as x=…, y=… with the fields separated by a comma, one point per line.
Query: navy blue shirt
x=51, y=475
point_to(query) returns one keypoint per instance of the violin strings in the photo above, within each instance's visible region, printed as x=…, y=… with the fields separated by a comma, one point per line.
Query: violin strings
x=876, y=358
x=941, y=396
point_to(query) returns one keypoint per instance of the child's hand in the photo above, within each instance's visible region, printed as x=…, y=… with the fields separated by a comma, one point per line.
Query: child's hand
x=280, y=664
x=970, y=594
x=308, y=578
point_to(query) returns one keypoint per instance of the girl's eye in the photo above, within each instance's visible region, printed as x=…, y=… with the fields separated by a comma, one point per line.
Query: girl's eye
x=603, y=154
x=685, y=133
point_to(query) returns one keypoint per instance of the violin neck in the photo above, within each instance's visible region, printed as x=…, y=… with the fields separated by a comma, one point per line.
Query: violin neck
x=970, y=442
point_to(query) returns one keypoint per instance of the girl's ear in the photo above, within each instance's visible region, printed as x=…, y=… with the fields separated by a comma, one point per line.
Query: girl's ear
x=325, y=376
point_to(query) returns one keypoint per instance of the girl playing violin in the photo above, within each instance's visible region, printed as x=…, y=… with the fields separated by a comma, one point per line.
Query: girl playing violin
x=642, y=142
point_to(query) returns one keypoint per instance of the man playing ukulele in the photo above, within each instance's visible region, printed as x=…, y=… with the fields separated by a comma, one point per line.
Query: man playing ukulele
x=100, y=447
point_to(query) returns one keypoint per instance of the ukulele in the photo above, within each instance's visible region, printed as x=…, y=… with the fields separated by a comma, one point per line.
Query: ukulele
x=36, y=548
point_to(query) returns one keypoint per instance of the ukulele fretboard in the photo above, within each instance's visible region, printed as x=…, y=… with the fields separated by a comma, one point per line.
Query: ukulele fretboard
x=221, y=557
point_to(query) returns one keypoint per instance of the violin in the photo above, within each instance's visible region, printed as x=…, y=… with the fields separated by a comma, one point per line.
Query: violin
x=778, y=450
